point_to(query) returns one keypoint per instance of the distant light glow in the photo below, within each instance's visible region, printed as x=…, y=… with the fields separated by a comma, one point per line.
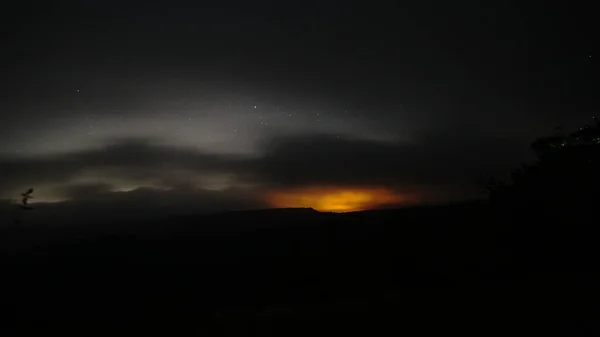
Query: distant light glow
x=335, y=199
x=126, y=188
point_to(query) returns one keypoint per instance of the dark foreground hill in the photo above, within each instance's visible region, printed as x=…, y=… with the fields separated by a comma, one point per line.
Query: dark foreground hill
x=453, y=269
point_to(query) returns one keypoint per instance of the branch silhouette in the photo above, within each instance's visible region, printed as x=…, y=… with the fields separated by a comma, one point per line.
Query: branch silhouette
x=562, y=180
x=26, y=196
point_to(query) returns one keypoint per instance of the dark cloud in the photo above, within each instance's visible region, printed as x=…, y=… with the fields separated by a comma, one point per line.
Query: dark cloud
x=172, y=200
x=435, y=166
x=435, y=163
x=137, y=159
x=144, y=153
x=86, y=191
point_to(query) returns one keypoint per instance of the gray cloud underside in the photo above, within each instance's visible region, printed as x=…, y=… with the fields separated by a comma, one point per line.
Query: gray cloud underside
x=436, y=166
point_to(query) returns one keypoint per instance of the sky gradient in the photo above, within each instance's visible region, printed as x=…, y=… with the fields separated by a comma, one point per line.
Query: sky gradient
x=257, y=105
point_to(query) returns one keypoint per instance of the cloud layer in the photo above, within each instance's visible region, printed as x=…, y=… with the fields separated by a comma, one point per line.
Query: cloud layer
x=434, y=169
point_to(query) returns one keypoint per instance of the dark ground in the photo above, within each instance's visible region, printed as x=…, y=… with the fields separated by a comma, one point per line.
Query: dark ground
x=463, y=269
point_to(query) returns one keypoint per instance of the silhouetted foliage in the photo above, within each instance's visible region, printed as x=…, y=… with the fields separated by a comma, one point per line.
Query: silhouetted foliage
x=26, y=196
x=562, y=182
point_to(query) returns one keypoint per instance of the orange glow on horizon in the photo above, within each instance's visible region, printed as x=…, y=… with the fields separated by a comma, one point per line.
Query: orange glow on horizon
x=335, y=199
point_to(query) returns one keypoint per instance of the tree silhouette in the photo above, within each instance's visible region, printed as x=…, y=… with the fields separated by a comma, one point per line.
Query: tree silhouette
x=26, y=196
x=551, y=203
x=563, y=181
x=24, y=205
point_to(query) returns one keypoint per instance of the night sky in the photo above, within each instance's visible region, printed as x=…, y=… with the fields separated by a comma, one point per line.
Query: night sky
x=249, y=104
